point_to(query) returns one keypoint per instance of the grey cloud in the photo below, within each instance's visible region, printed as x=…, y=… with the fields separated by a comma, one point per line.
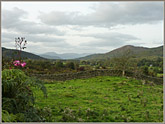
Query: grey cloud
x=36, y=43
x=9, y=36
x=58, y=17
x=50, y=41
x=13, y=26
x=44, y=39
x=12, y=20
x=111, y=35
x=104, y=43
x=34, y=28
x=109, y=14
x=109, y=39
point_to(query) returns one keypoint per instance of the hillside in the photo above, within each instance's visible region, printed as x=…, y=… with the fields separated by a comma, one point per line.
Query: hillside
x=10, y=53
x=136, y=51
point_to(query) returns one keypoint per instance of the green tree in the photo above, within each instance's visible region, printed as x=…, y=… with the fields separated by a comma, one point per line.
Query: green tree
x=59, y=64
x=145, y=70
x=122, y=62
x=70, y=65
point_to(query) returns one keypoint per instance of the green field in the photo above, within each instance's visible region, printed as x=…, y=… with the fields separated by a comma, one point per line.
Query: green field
x=103, y=99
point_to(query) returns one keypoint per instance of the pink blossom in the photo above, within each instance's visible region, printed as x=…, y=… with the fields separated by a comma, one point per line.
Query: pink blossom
x=16, y=63
x=23, y=64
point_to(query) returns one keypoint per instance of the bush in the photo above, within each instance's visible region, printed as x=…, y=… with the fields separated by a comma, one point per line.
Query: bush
x=82, y=68
x=6, y=117
x=59, y=64
x=145, y=70
x=17, y=94
x=70, y=65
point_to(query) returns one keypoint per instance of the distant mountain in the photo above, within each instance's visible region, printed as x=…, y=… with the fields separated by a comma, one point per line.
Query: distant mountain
x=49, y=56
x=136, y=51
x=10, y=53
x=53, y=55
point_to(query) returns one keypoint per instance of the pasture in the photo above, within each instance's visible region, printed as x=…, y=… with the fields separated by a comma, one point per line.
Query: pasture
x=102, y=99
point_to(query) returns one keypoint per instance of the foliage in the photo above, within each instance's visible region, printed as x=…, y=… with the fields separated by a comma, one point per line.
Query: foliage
x=70, y=65
x=46, y=113
x=59, y=64
x=6, y=63
x=123, y=62
x=154, y=62
x=82, y=68
x=155, y=66
x=6, y=117
x=17, y=94
x=145, y=70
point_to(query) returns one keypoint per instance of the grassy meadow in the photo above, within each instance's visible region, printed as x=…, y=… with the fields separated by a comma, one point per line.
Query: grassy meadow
x=103, y=99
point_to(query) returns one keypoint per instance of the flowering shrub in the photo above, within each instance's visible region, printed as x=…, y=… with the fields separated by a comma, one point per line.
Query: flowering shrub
x=20, y=44
x=23, y=64
x=18, y=63
x=17, y=94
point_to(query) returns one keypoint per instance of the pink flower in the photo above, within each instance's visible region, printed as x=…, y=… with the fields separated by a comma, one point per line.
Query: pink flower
x=16, y=63
x=23, y=64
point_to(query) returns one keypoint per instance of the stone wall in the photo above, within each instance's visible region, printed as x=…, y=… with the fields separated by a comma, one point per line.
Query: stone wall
x=94, y=73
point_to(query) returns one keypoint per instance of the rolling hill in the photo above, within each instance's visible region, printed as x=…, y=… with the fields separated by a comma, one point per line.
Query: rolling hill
x=136, y=51
x=10, y=53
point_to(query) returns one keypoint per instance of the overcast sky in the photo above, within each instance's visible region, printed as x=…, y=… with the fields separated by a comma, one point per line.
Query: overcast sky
x=82, y=27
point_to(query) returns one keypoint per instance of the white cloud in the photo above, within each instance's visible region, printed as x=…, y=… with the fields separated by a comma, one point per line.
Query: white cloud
x=109, y=14
x=13, y=20
x=109, y=39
